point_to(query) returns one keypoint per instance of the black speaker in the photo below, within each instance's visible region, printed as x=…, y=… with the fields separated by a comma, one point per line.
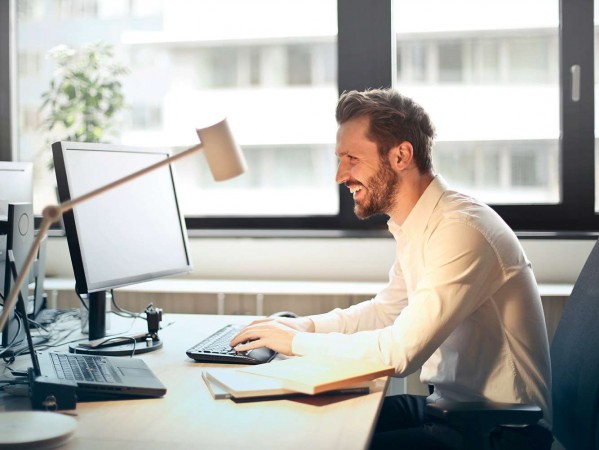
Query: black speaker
x=19, y=238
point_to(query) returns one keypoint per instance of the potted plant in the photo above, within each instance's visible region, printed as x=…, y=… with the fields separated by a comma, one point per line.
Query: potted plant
x=85, y=94
x=81, y=104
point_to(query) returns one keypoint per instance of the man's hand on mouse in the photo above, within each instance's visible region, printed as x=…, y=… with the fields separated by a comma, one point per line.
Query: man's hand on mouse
x=274, y=333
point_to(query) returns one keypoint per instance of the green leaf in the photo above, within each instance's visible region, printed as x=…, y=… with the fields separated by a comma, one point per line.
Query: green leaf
x=86, y=93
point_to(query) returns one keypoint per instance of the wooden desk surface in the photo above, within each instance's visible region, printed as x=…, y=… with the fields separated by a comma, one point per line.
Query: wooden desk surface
x=188, y=417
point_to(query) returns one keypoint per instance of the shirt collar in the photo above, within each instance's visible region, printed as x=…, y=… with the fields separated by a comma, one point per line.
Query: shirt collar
x=416, y=222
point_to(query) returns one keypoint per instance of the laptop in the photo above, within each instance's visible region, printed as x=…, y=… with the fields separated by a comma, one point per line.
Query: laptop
x=97, y=377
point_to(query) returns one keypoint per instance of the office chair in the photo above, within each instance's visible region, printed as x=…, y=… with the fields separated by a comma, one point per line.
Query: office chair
x=575, y=385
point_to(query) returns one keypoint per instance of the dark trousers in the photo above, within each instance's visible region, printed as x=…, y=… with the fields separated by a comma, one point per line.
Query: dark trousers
x=404, y=424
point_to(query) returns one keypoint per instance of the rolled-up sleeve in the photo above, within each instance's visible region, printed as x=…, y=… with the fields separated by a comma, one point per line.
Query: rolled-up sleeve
x=372, y=314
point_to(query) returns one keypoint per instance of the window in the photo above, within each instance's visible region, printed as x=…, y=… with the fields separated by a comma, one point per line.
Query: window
x=529, y=60
x=76, y=8
x=470, y=97
x=222, y=67
x=487, y=59
x=507, y=85
x=451, y=62
x=192, y=60
x=29, y=9
x=299, y=63
x=412, y=61
x=254, y=61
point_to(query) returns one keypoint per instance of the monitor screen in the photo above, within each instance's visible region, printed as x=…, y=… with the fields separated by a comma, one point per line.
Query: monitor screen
x=127, y=235
x=16, y=184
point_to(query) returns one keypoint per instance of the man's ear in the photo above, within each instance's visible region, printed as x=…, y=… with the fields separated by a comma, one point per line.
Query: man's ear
x=401, y=156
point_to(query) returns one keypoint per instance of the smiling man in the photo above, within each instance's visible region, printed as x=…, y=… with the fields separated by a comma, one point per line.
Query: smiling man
x=461, y=303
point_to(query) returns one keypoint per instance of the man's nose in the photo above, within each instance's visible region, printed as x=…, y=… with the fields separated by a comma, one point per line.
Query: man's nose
x=342, y=173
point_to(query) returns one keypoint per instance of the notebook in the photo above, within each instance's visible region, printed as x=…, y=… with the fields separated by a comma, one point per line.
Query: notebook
x=232, y=383
x=122, y=376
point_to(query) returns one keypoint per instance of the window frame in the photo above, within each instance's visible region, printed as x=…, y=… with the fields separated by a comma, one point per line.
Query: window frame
x=367, y=58
x=576, y=212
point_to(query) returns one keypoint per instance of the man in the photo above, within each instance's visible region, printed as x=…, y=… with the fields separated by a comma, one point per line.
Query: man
x=462, y=301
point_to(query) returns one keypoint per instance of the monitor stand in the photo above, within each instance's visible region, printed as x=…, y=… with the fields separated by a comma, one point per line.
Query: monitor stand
x=100, y=344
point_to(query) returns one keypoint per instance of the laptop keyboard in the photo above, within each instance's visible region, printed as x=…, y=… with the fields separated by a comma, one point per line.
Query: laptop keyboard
x=82, y=368
x=216, y=348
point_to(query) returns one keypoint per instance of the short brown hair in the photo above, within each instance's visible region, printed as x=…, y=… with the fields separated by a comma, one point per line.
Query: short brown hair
x=394, y=118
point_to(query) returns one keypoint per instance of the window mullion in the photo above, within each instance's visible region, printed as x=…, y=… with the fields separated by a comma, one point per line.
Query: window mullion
x=366, y=59
x=577, y=117
x=7, y=71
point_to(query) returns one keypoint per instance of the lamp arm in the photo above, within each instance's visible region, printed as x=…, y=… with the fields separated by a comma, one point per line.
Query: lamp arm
x=70, y=204
x=52, y=214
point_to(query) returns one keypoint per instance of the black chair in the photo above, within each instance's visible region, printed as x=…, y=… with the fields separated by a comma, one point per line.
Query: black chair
x=575, y=385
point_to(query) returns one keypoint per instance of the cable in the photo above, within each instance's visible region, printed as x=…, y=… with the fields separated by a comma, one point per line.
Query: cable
x=61, y=342
x=14, y=341
x=125, y=313
x=64, y=325
x=15, y=384
x=66, y=321
x=37, y=325
x=18, y=389
x=81, y=300
x=114, y=338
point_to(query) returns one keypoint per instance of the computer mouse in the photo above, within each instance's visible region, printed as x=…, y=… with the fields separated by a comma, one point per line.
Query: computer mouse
x=289, y=314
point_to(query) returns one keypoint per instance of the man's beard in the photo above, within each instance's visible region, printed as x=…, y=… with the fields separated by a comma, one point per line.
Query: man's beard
x=381, y=193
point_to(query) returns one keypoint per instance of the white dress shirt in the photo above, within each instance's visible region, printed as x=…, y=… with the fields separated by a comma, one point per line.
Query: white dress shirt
x=462, y=303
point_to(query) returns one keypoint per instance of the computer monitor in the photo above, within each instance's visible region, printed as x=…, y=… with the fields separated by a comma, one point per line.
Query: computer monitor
x=127, y=235
x=16, y=233
x=16, y=184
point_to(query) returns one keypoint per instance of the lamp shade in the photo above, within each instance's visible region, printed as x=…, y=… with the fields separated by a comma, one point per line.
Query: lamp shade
x=223, y=155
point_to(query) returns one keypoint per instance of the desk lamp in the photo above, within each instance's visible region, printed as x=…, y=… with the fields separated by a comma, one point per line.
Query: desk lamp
x=224, y=158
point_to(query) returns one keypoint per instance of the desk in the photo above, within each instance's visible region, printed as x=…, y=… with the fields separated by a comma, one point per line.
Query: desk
x=188, y=417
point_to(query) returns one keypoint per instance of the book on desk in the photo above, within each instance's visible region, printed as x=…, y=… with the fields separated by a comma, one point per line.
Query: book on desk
x=295, y=376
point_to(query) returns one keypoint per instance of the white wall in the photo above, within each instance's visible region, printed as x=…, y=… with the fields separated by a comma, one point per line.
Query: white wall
x=554, y=261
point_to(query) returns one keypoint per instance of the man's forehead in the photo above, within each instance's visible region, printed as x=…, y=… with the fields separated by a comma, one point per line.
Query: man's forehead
x=351, y=137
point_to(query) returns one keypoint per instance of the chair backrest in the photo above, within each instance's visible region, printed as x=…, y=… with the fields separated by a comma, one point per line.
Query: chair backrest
x=575, y=363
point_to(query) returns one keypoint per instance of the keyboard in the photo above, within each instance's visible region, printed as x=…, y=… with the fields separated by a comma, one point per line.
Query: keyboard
x=216, y=348
x=82, y=368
